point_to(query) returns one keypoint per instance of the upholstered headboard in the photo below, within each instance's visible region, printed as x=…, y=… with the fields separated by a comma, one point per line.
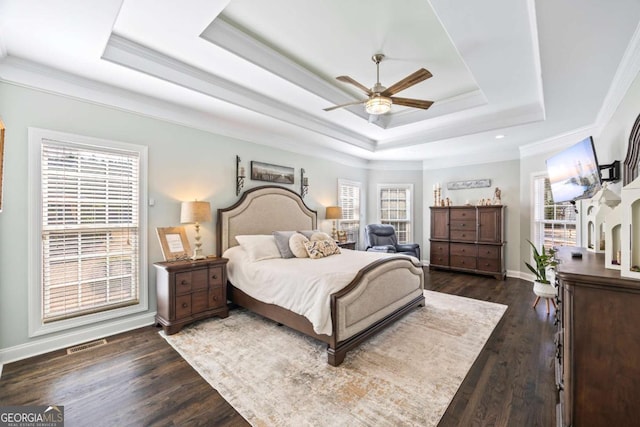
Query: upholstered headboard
x=262, y=210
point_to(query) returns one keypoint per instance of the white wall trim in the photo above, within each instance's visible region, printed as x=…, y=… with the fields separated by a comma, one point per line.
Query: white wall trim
x=45, y=345
x=476, y=159
x=558, y=142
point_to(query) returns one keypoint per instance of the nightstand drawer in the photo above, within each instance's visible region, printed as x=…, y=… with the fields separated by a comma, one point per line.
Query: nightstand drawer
x=215, y=276
x=199, y=301
x=183, y=306
x=183, y=283
x=216, y=297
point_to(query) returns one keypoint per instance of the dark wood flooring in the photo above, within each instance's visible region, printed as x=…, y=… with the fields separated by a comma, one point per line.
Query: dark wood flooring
x=137, y=379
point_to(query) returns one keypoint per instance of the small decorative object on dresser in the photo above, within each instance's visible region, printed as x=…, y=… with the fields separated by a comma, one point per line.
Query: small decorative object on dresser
x=189, y=291
x=174, y=243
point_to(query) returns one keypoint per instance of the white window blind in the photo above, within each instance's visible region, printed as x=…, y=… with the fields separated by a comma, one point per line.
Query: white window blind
x=554, y=224
x=349, y=200
x=90, y=229
x=395, y=209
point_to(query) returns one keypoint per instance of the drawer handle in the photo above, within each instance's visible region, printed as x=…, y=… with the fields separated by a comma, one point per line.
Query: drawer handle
x=464, y=225
x=487, y=264
x=215, y=297
x=464, y=235
x=185, y=305
x=184, y=282
x=214, y=277
x=463, y=251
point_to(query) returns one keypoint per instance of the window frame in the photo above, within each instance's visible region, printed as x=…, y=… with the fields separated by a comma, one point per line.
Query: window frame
x=347, y=182
x=410, y=214
x=35, y=261
x=535, y=224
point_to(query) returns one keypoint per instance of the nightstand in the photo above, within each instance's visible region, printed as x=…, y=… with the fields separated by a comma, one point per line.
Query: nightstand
x=190, y=291
x=347, y=245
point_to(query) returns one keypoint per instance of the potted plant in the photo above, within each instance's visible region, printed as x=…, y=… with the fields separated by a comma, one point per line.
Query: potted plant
x=545, y=263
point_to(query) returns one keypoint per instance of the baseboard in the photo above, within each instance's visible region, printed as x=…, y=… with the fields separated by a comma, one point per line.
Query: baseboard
x=45, y=345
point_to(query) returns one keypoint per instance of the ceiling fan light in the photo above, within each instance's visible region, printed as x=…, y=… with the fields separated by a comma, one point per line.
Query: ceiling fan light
x=378, y=105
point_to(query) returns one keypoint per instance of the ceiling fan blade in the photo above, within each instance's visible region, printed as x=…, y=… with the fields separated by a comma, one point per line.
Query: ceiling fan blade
x=347, y=79
x=345, y=105
x=407, y=82
x=415, y=103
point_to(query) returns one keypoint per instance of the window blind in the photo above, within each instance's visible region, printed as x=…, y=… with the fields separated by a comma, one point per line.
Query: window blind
x=349, y=200
x=90, y=229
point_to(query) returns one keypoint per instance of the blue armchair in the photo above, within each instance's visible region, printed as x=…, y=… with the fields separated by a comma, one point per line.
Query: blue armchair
x=382, y=238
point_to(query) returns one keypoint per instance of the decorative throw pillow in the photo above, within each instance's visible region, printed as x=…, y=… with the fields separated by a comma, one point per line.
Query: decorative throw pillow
x=308, y=233
x=321, y=248
x=296, y=244
x=259, y=246
x=282, y=242
x=320, y=235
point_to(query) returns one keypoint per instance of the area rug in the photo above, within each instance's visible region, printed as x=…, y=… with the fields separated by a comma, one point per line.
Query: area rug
x=405, y=375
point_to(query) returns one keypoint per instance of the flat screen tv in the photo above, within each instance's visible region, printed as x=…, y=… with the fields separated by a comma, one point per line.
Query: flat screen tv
x=574, y=173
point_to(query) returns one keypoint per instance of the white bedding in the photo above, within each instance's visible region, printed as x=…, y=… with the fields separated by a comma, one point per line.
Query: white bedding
x=302, y=285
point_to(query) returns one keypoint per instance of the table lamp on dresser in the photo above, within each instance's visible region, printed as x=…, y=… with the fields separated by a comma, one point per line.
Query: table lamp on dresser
x=194, y=213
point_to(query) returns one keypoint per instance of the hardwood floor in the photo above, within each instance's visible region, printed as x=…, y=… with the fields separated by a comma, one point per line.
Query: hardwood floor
x=137, y=379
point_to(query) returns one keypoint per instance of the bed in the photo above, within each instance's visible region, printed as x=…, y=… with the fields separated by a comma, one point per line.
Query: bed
x=380, y=292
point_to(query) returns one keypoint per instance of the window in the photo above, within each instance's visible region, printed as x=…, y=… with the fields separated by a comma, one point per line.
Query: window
x=349, y=200
x=554, y=224
x=90, y=233
x=394, y=207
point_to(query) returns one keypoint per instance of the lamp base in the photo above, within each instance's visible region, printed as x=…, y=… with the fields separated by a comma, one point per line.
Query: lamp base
x=197, y=251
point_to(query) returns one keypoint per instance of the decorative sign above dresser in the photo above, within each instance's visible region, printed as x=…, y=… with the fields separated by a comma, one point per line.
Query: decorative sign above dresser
x=469, y=183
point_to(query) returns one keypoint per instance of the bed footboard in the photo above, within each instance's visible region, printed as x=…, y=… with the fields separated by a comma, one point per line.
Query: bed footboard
x=380, y=294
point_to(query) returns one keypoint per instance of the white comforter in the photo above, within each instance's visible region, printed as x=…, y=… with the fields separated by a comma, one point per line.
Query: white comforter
x=302, y=285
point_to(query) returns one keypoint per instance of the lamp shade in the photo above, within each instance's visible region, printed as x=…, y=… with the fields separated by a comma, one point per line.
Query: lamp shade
x=195, y=212
x=333, y=212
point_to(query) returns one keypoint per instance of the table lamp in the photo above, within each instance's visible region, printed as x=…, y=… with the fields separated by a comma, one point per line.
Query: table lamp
x=196, y=212
x=334, y=213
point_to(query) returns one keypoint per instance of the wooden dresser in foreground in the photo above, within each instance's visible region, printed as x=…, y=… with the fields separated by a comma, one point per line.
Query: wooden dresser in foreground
x=597, y=343
x=468, y=238
x=190, y=291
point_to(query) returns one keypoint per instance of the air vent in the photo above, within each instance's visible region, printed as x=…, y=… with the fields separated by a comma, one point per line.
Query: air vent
x=86, y=346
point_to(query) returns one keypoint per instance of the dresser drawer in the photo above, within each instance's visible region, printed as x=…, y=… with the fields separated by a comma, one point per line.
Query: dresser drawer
x=183, y=306
x=463, y=225
x=463, y=261
x=489, y=251
x=215, y=276
x=216, y=297
x=463, y=249
x=463, y=215
x=440, y=248
x=464, y=236
x=489, y=264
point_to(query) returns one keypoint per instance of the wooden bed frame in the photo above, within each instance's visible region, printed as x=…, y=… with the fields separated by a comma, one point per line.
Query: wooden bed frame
x=381, y=292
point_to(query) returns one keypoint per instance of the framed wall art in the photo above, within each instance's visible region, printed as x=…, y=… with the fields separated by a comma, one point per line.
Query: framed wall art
x=174, y=243
x=271, y=173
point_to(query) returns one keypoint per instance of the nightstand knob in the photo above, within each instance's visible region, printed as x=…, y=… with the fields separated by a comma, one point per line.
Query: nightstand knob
x=215, y=298
x=185, y=305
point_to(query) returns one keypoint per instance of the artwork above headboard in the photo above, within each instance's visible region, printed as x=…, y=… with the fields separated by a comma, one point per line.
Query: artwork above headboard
x=262, y=210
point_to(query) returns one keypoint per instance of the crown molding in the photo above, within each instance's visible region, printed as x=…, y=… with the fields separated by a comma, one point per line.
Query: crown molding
x=627, y=71
x=476, y=159
x=127, y=53
x=226, y=34
x=557, y=142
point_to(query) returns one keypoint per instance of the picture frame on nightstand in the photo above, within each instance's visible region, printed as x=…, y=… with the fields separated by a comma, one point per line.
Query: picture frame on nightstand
x=174, y=243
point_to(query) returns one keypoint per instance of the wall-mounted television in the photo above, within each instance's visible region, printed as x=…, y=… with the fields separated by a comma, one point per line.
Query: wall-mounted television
x=574, y=172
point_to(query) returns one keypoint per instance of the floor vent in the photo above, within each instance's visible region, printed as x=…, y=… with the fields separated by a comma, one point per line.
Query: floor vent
x=86, y=346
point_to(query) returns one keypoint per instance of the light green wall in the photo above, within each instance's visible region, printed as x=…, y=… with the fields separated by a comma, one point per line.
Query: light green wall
x=505, y=175
x=184, y=164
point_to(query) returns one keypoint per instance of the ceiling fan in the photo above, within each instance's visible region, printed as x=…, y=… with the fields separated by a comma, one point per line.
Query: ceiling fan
x=381, y=98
